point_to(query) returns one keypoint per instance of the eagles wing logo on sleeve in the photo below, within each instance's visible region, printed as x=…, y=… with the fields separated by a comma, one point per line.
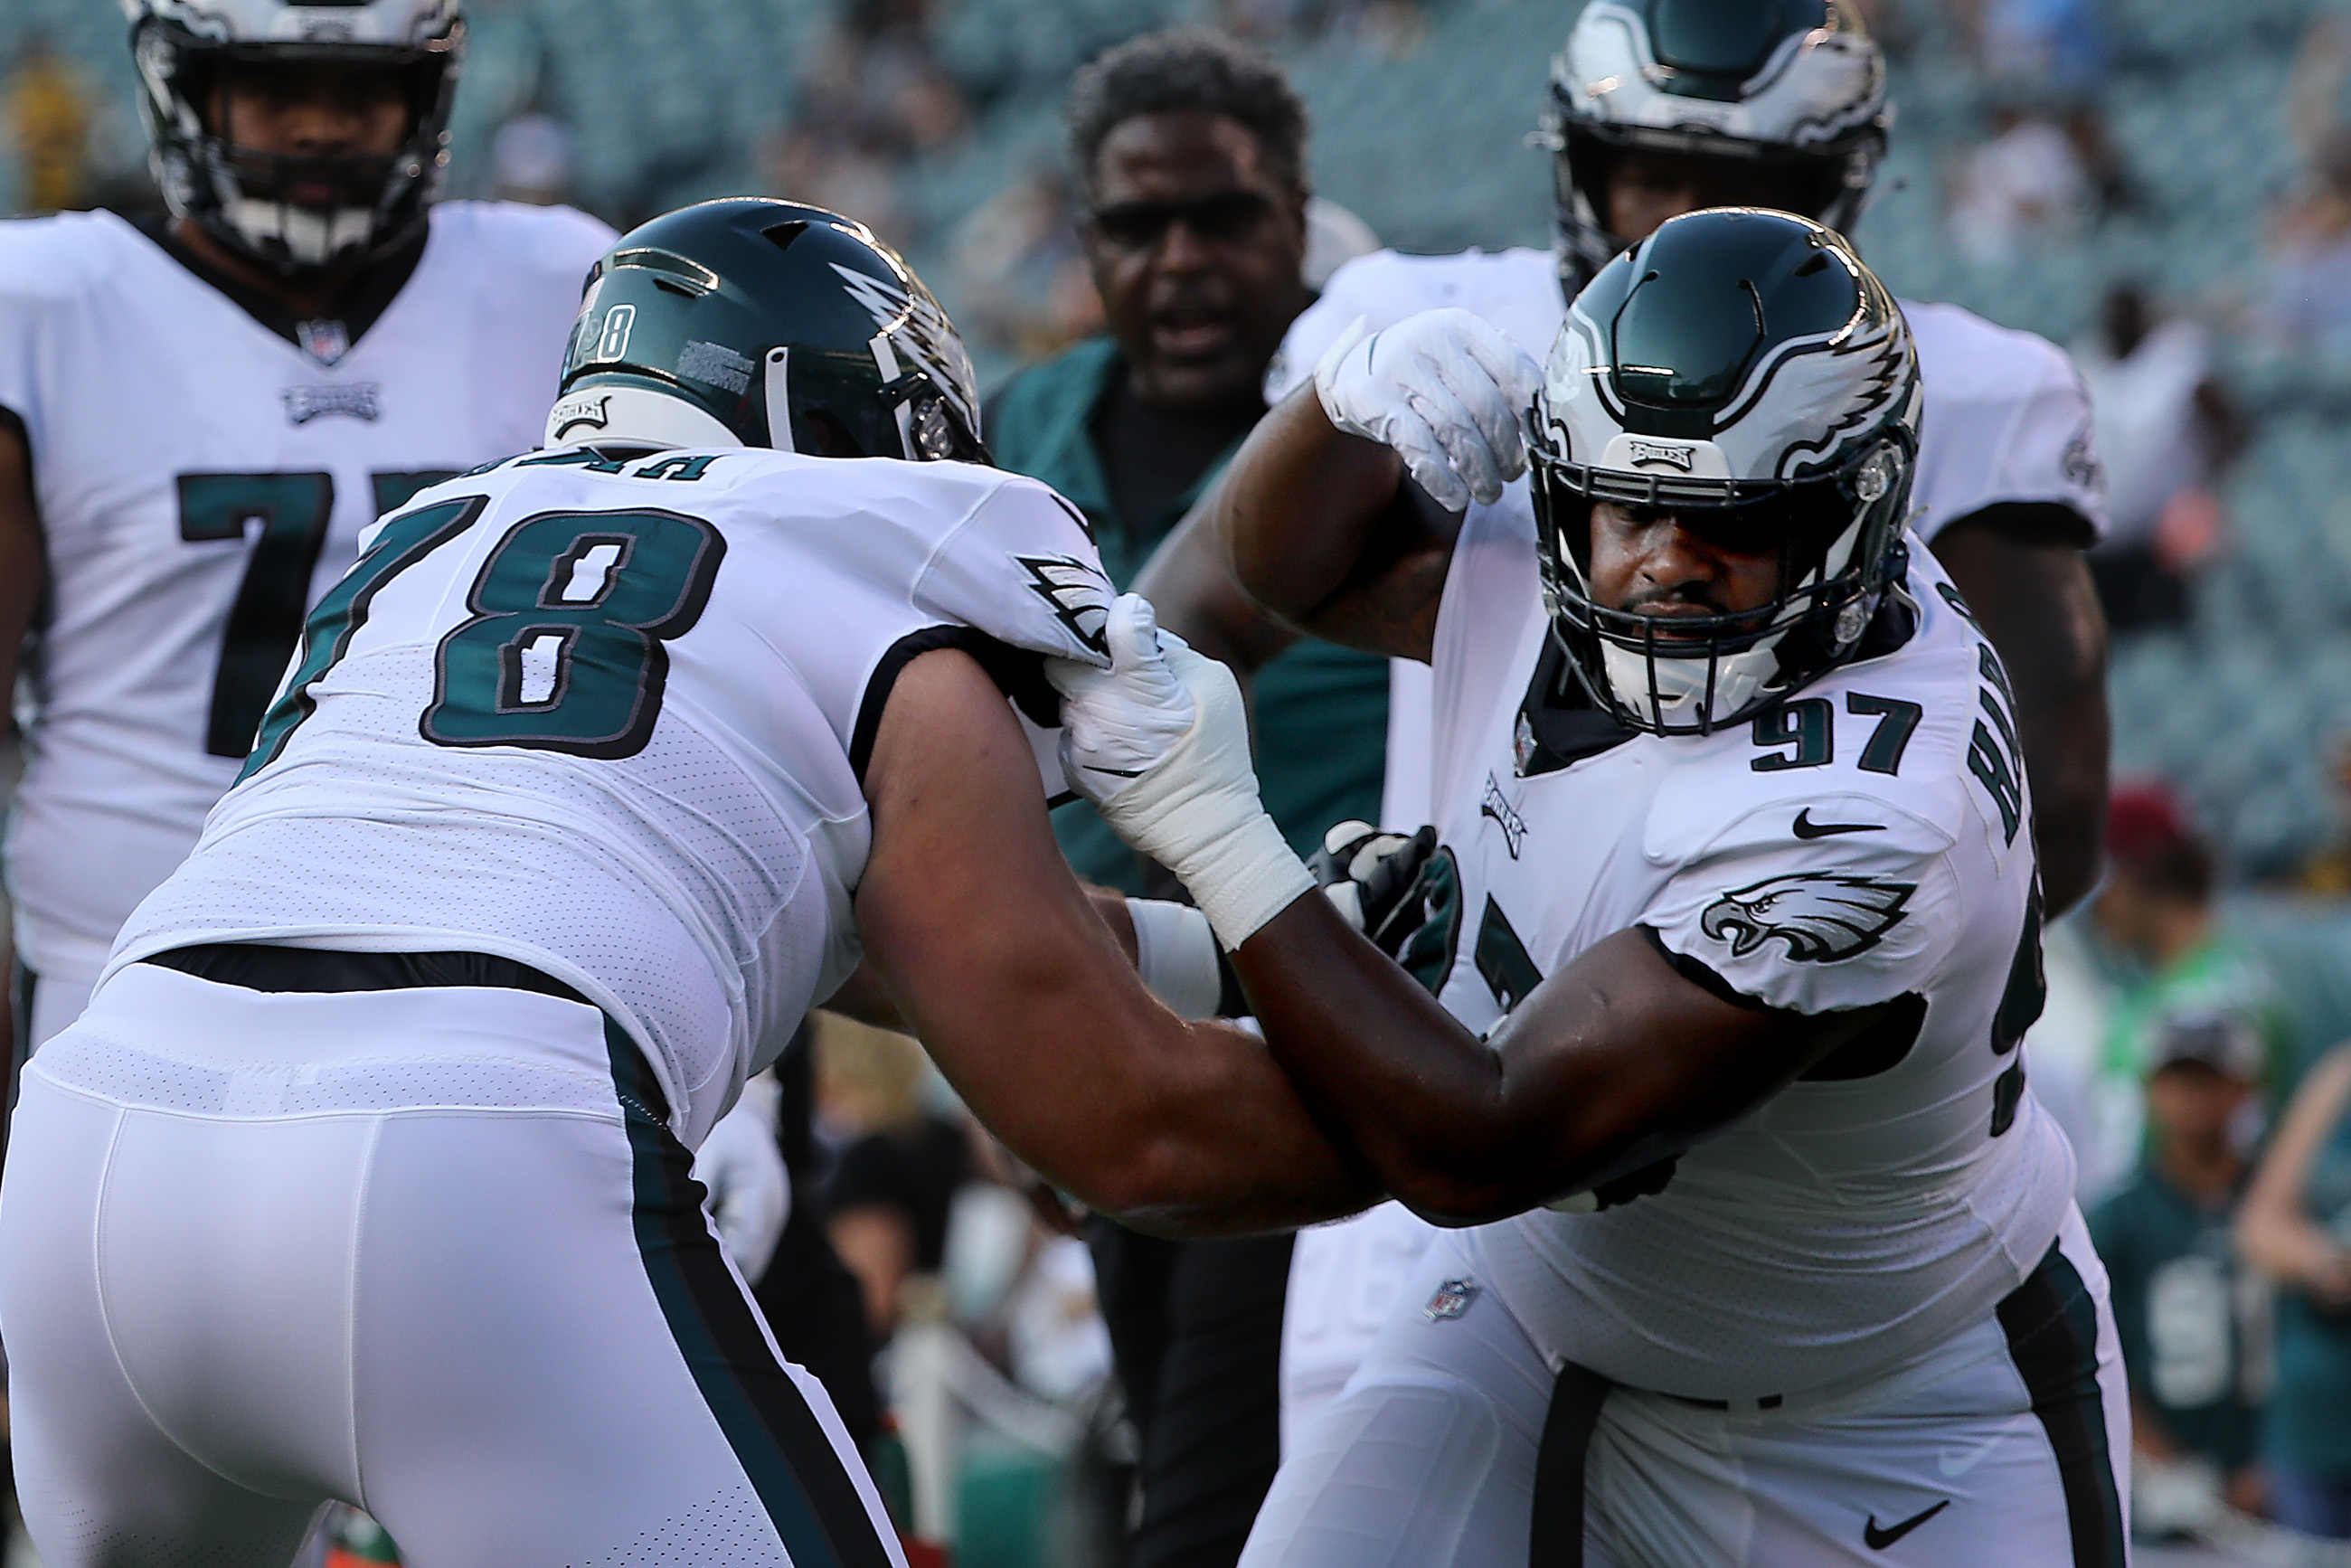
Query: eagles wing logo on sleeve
x=1823, y=915
x=1078, y=591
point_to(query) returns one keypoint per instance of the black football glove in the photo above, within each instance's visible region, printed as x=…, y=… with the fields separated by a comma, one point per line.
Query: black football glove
x=1374, y=879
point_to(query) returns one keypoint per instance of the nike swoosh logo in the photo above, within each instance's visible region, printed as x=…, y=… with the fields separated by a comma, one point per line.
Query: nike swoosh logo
x=1808, y=829
x=1879, y=1540
x=1117, y=772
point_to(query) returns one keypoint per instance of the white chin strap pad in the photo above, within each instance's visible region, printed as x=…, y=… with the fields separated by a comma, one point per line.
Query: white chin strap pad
x=312, y=238
x=635, y=415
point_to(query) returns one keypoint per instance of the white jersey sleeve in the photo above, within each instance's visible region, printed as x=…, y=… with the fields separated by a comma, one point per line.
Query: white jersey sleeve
x=1862, y=911
x=2008, y=420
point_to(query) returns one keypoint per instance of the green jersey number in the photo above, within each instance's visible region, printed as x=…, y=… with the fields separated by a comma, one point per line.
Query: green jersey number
x=403, y=542
x=565, y=649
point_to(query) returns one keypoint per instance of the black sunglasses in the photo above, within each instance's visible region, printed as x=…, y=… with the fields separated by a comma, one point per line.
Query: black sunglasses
x=1227, y=216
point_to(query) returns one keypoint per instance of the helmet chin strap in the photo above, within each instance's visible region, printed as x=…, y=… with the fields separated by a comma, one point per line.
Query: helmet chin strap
x=637, y=415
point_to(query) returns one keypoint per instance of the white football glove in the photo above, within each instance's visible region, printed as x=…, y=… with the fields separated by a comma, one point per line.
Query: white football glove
x=750, y=1190
x=1159, y=743
x=1447, y=390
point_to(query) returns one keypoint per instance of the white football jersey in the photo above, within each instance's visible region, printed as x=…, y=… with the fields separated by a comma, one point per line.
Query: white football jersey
x=1866, y=841
x=609, y=718
x=2007, y=419
x=201, y=481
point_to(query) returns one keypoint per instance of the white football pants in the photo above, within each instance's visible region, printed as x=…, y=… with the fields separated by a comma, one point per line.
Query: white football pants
x=2010, y=1444
x=431, y=1251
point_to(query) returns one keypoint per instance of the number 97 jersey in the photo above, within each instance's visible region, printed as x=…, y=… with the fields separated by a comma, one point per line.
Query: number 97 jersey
x=608, y=715
x=1867, y=842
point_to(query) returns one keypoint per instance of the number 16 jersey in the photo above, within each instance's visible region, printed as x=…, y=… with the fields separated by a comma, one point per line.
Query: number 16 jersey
x=200, y=479
x=609, y=715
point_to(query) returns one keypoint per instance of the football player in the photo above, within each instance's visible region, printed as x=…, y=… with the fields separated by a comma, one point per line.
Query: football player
x=197, y=417
x=1734, y=910
x=594, y=773
x=1660, y=107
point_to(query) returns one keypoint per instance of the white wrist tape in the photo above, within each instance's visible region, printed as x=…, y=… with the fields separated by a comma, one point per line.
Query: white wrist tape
x=1175, y=954
x=1243, y=878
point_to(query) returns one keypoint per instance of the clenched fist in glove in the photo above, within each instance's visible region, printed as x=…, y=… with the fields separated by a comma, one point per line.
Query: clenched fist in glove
x=1447, y=390
x=1374, y=879
x=1159, y=743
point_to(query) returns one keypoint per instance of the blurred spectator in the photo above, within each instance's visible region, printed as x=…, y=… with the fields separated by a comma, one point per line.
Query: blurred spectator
x=1022, y=283
x=1188, y=156
x=2309, y=298
x=2162, y=934
x=2047, y=46
x=1392, y=28
x=2164, y=430
x=2194, y=1335
x=2296, y=1228
x=2026, y=185
x=2309, y=303
x=48, y=117
x=530, y=158
x=2326, y=871
x=872, y=95
x=894, y=1185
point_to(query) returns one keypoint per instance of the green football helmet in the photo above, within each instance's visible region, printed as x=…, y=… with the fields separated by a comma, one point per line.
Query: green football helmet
x=752, y=322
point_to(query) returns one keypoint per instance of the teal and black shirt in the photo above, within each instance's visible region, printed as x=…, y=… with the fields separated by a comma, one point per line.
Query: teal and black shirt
x=1322, y=711
x=2192, y=1342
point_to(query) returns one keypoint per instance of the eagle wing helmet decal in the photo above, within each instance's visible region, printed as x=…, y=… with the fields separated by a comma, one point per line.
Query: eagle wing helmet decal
x=1823, y=915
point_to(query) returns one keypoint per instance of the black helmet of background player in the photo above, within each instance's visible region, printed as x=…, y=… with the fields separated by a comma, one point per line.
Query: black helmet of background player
x=247, y=199
x=751, y=322
x=1743, y=371
x=1791, y=92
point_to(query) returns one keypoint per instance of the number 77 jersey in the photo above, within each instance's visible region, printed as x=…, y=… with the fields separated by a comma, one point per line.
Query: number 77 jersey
x=200, y=479
x=608, y=714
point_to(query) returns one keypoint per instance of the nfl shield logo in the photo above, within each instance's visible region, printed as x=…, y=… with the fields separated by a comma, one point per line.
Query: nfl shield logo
x=1452, y=1300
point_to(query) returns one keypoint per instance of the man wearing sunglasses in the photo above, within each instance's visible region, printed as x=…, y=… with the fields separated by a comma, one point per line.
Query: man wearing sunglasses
x=1188, y=150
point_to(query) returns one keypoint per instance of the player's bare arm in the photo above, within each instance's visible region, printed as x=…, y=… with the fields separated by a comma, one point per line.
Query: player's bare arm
x=20, y=549
x=1187, y=582
x=2037, y=604
x=1022, y=994
x=1339, y=513
x=1615, y=1062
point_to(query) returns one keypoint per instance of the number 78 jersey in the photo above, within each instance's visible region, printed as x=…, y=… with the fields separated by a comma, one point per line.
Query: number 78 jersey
x=609, y=715
x=1866, y=844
